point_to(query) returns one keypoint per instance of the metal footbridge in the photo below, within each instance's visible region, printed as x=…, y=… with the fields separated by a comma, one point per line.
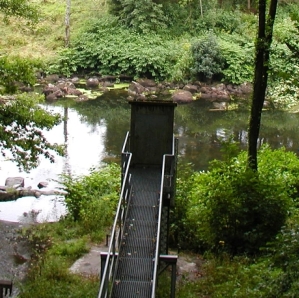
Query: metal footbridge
x=138, y=249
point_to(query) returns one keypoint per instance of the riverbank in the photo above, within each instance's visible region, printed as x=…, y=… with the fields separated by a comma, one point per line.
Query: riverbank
x=15, y=256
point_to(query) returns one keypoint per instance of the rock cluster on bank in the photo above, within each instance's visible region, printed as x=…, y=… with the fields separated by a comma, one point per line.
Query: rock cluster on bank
x=55, y=88
x=14, y=189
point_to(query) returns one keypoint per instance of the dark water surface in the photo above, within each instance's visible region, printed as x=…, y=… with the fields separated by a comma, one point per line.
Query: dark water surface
x=94, y=131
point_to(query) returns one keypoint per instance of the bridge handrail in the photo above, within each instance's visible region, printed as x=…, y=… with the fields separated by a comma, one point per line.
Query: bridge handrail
x=117, y=230
x=168, y=159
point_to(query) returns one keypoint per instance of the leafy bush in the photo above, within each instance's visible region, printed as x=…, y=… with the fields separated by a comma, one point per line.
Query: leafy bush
x=16, y=69
x=283, y=85
x=283, y=253
x=227, y=21
x=179, y=20
x=207, y=58
x=181, y=70
x=143, y=16
x=64, y=64
x=108, y=48
x=179, y=224
x=239, y=59
x=238, y=211
x=273, y=274
x=223, y=275
x=92, y=199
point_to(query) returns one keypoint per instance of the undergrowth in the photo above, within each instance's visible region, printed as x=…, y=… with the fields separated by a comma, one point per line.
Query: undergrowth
x=56, y=246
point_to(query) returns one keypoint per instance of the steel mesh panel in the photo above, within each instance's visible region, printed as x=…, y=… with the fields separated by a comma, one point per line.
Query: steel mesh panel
x=145, y=198
x=124, y=289
x=140, y=229
x=135, y=269
x=149, y=179
x=145, y=213
x=135, y=266
x=138, y=251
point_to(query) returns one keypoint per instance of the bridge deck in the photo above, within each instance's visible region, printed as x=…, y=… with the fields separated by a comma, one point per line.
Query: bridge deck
x=135, y=269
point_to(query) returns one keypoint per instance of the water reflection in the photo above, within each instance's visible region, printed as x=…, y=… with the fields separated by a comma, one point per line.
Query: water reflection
x=202, y=132
x=94, y=131
x=85, y=149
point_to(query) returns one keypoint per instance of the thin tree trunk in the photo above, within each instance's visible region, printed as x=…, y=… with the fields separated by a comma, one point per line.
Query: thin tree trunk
x=200, y=5
x=263, y=44
x=67, y=23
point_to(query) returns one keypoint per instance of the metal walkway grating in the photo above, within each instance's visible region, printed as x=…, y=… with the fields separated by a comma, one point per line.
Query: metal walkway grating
x=136, y=265
x=131, y=289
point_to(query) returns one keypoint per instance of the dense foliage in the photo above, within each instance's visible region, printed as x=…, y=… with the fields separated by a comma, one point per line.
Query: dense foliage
x=123, y=52
x=91, y=200
x=207, y=58
x=15, y=70
x=133, y=43
x=230, y=208
x=143, y=16
x=273, y=274
x=18, y=8
x=227, y=210
x=237, y=53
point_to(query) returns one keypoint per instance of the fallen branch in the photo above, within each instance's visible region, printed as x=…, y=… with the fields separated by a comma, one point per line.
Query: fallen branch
x=9, y=194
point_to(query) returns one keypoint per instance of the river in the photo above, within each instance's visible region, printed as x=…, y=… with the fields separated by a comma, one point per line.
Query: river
x=93, y=133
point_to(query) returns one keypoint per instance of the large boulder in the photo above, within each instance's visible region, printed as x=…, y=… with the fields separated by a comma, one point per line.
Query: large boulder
x=246, y=88
x=73, y=91
x=50, y=88
x=192, y=88
x=64, y=85
x=215, y=93
x=182, y=96
x=136, y=91
x=42, y=184
x=136, y=87
x=92, y=83
x=14, y=182
x=147, y=83
x=52, y=78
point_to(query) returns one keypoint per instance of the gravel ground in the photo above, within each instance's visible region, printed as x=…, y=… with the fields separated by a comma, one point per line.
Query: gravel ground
x=14, y=255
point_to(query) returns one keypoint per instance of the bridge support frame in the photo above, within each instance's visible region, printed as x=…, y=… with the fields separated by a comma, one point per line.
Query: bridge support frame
x=5, y=288
x=170, y=260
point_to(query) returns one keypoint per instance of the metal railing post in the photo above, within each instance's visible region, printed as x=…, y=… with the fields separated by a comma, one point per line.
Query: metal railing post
x=109, y=266
x=173, y=280
x=103, y=262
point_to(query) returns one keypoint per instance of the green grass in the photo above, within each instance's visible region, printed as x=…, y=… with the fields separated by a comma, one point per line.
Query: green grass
x=55, y=248
x=44, y=39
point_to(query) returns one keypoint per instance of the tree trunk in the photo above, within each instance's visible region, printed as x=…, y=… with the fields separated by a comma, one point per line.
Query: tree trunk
x=13, y=195
x=263, y=44
x=67, y=23
x=200, y=5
